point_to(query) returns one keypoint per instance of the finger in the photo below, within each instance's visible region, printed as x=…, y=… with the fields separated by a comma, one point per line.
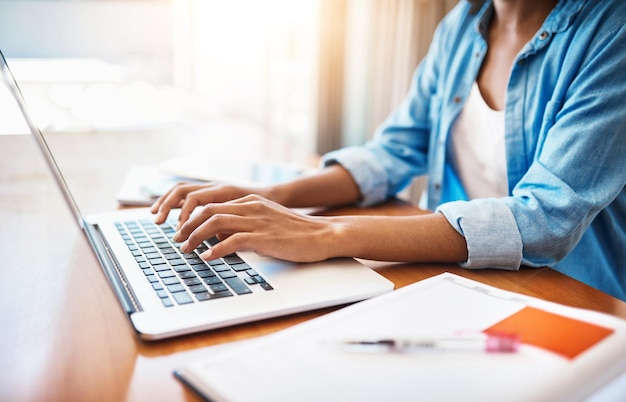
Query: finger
x=186, y=227
x=224, y=224
x=157, y=204
x=192, y=201
x=228, y=245
x=174, y=198
x=192, y=223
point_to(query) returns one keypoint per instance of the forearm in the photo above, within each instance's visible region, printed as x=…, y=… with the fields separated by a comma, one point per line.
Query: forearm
x=423, y=238
x=331, y=186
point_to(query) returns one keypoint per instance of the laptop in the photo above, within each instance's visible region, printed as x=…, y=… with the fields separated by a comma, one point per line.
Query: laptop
x=166, y=293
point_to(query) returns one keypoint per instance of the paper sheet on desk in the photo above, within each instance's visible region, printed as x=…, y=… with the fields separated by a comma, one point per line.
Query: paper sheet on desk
x=297, y=364
x=143, y=184
x=231, y=170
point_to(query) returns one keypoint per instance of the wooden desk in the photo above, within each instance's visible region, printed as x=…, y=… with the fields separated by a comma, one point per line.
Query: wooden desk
x=63, y=335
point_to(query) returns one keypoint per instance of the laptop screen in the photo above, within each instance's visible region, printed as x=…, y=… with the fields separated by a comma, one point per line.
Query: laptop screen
x=11, y=88
x=92, y=129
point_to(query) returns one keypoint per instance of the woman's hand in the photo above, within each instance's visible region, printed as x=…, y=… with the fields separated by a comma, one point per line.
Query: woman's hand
x=189, y=196
x=258, y=224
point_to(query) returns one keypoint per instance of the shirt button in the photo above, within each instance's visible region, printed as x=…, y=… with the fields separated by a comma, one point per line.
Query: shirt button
x=437, y=186
x=544, y=35
x=457, y=99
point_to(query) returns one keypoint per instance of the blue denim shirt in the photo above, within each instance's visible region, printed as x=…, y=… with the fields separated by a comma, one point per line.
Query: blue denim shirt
x=565, y=135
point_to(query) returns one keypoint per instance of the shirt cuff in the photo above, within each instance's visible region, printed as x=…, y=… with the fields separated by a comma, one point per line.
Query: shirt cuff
x=369, y=175
x=490, y=230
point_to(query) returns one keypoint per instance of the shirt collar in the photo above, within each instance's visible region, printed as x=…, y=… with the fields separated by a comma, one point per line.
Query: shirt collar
x=559, y=20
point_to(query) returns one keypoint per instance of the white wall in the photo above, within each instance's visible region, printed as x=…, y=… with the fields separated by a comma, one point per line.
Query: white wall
x=130, y=32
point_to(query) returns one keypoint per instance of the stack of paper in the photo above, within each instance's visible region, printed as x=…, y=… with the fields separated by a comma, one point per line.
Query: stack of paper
x=566, y=353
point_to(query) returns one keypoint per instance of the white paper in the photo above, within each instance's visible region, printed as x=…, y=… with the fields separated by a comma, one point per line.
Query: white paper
x=298, y=364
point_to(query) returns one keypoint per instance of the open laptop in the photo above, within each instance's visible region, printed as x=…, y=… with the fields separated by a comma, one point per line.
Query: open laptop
x=166, y=293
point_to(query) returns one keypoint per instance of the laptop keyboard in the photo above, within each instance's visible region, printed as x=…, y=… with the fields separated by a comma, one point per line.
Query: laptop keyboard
x=183, y=278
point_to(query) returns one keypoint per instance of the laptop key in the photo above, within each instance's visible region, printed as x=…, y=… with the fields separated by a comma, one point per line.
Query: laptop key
x=197, y=289
x=171, y=281
x=221, y=268
x=203, y=296
x=152, y=278
x=212, y=280
x=227, y=274
x=233, y=259
x=192, y=282
x=240, y=267
x=186, y=275
x=218, y=287
x=156, y=261
x=213, y=241
x=206, y=274
x=171, y=256
x=237, y=285
x=182, y=297
x=167, y=274
x=161, y=267
x=219, y=295
x=176, y=288
x=200, y=267
x=182, y=268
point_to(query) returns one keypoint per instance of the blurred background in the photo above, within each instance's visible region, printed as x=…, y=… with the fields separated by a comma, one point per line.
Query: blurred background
x=300, y=77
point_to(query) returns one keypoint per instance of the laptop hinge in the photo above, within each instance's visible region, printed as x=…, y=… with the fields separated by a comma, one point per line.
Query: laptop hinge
x=112, y=270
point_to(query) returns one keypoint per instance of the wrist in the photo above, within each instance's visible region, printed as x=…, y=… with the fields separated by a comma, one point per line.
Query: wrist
x=273, y=193
x=343, y=237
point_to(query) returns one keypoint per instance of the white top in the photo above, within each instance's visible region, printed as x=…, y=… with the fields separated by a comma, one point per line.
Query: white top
x=478, y=150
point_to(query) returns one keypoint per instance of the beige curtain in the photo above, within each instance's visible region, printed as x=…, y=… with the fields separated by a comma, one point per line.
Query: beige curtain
x=331, y=68
x=368, y=52
x=401, y=34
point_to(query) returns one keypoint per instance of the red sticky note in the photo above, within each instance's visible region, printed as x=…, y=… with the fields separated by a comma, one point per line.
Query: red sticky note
x=563, y=335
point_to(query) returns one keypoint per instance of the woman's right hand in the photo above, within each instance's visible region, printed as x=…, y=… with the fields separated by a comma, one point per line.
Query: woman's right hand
x=188, y=196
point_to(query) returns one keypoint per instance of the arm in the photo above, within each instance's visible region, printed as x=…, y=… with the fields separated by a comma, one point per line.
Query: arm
x=566, y=152
x=255, y=223
x=331, y=186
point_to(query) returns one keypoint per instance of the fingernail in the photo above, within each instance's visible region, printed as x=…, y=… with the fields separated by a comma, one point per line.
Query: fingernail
x=176, y=236
x=206, y=255
x=184, y=246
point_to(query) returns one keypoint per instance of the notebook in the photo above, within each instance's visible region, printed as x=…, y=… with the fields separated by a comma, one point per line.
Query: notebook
x=565, y=354
x=165, y=293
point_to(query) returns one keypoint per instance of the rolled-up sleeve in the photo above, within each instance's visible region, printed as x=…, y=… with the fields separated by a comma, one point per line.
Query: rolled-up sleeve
x=367, y=172
x=490, y=230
